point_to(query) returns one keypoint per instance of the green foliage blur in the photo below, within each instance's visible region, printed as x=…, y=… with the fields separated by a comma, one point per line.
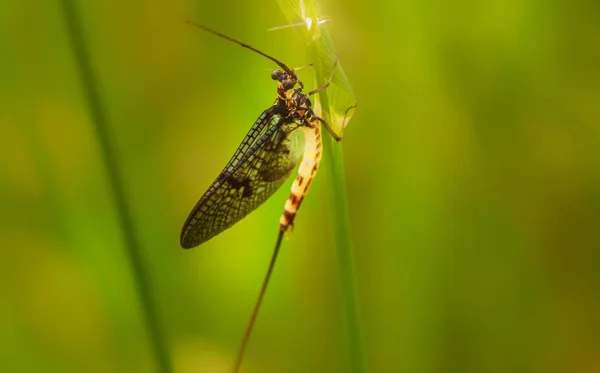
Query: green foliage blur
x=473, y=176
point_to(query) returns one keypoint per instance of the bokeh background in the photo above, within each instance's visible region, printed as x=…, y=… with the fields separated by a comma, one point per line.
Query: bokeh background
x=473, y=176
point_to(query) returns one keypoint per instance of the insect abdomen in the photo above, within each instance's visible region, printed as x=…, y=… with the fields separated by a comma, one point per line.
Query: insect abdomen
x=313, y=148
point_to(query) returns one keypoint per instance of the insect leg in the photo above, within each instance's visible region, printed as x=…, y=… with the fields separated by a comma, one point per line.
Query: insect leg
x=335, y=136
x=324, y=86
x=302, y=67
x=330, y=130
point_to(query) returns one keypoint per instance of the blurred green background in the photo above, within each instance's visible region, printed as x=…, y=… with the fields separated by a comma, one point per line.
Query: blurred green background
x=473, y=179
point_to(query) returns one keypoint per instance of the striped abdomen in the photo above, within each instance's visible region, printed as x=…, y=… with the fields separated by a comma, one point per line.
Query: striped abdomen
x=313, y=149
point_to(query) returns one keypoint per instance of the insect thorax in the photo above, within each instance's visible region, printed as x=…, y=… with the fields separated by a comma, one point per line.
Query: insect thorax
x=301, y=106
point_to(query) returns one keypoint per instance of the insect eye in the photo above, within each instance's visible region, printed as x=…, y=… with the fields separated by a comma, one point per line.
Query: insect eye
x=288, y=83
x=277, y=75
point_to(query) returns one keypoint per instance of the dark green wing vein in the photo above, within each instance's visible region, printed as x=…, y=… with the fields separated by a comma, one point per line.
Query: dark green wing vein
x=258, y=168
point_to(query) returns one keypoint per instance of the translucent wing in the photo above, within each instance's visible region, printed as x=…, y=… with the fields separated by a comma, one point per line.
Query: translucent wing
x=260, y=165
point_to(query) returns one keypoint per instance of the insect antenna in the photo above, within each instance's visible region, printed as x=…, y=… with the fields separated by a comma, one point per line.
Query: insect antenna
x=217, y=33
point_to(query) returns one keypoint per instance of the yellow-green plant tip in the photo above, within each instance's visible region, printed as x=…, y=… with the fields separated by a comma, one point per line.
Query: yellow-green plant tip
x=336, y=100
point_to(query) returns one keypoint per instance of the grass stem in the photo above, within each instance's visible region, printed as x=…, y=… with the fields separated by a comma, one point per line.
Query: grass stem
x=115, y=182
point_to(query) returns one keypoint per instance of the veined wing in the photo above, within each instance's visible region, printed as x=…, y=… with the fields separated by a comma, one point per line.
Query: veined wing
x=258, y=168
x=253, y=135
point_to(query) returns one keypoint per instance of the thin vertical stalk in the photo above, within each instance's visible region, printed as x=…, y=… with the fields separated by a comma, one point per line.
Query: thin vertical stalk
x=115, y=182
x=344, y=247
x=333, y=101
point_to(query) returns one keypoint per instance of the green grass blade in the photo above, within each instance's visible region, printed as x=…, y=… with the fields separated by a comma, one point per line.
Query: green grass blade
x=334, y=103
x=99, y=119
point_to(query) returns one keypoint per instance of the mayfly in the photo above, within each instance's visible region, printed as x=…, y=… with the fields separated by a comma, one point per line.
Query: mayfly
x=259, y=166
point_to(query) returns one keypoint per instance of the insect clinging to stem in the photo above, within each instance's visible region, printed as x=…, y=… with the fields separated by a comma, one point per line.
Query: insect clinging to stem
x=260, y=165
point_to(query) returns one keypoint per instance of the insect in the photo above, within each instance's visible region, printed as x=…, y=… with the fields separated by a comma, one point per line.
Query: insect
x=260, y=165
